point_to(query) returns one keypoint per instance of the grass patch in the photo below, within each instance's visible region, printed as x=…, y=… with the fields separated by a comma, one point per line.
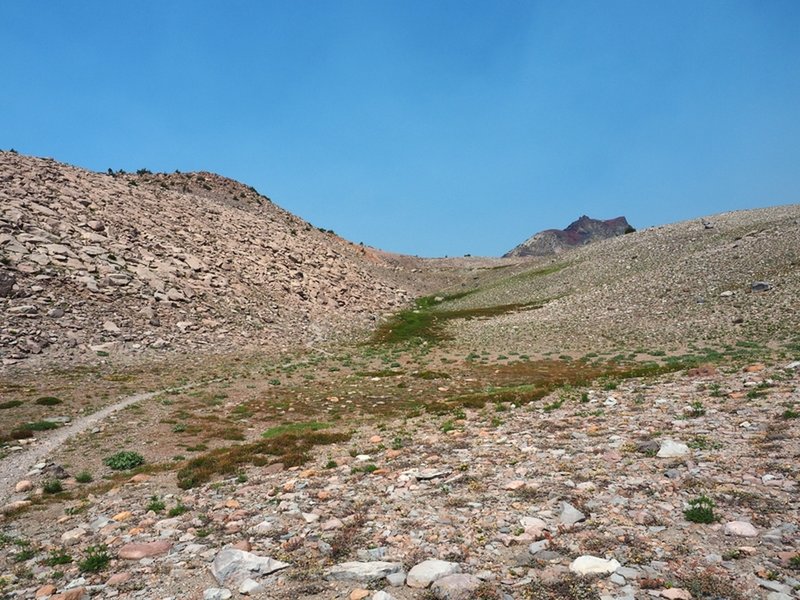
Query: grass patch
x=40, y=426
x=294, y=428
x=290, y=447
x=425, y=323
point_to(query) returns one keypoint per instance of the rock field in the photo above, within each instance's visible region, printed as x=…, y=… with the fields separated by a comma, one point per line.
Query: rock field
x=501, y=502
x=136, y=263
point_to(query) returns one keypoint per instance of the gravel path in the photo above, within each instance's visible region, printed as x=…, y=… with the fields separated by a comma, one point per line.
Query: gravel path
x=15, y=466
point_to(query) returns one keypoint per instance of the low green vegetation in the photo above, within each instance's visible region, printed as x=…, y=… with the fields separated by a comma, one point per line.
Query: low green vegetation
x=52, y=486
x=424, y=323
x=290, y=447
x=48, y=401
x=701, y=510
x=96, y=559
x=84, y=477
x=298, y=427
x=124, y=461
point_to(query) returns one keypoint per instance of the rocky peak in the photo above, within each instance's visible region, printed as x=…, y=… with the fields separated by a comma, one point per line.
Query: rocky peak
x=584, y=230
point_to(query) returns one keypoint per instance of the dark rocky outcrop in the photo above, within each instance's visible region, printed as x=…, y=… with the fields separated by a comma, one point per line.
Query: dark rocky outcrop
x=579, y=233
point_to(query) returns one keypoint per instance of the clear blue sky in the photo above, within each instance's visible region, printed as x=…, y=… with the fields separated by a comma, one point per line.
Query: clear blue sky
x=428, y=127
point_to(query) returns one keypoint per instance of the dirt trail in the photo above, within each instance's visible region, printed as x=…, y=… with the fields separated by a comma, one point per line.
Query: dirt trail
x=15, y=466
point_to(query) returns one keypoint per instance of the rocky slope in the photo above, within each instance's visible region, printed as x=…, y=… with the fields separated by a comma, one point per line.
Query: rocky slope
x=658, y=289
x=95, y=262
x=578, y=233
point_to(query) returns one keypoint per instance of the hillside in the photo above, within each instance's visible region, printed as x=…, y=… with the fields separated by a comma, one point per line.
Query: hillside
x=141, y=263
x=578, y=233
x=221, y=401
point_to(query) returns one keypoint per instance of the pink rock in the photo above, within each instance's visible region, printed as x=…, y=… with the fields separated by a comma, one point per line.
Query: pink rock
x=45, y=590
x=79, y=593
x=139, y=551
x=676, y=594
x=23, y=486
x=514, y=485
x=118, y=579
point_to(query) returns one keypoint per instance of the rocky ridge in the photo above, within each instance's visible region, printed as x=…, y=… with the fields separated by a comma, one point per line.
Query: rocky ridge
x=145, y=262
x=584, y=231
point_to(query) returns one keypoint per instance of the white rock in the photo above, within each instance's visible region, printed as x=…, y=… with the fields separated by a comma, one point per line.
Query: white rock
x=590, y=565
x=233, y=565
x=670, y=449
x=570, y=515
x=382, y=596
x=742, y=528
x=250, y=586
x=216, y=594
x=428, y=571
x=459, y=586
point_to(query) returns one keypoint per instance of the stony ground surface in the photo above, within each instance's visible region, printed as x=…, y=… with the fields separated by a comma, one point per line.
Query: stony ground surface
x=514, y=500
x=663, y=286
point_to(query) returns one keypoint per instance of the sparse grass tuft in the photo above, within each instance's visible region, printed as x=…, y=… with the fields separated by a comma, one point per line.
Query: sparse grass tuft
x=279, y=430
x=289, y=448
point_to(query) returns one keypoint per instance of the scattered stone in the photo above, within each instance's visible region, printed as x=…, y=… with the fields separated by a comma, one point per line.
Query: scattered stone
x=740, y=528
x=592, y=565
x=458, y=586
x=73, y=536
x=428, y=571
x=670, y=449
x=23, y=486
x=676, y=594
x=570, y=515
x=362, y=572
x=118, y=579
x=760, y=286
x=250, y=586
x=144, y=550
x=217, y=594
x=234, y=566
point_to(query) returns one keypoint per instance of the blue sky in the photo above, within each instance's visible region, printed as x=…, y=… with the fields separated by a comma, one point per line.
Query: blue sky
x=428, y=127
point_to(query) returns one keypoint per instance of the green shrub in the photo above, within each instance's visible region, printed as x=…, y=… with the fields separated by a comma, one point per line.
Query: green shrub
x=53, y=486
x=10, y=404
x=58, y=557
x=124, y=461
x=177, y=510
x=156, y=504
x=47, y=401
x=84, y=477
x=96, y=559
x=701, y=510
